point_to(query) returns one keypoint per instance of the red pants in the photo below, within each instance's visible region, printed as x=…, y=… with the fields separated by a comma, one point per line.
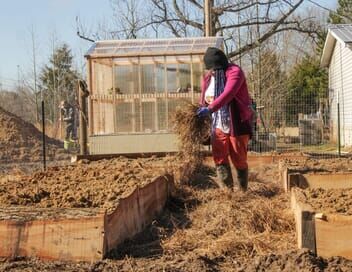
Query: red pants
x=224, y=145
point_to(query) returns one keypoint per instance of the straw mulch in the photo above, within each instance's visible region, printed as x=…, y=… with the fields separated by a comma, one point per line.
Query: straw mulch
x=205, y=229
x=192, y=132
x=236, y=225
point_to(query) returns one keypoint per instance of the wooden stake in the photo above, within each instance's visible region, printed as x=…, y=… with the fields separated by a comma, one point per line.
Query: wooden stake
x=207, y=18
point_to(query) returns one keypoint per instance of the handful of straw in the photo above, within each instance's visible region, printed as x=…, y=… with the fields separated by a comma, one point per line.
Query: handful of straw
x=192, y=131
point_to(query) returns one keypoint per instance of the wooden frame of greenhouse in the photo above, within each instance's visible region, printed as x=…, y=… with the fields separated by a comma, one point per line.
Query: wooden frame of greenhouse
x=136, y=85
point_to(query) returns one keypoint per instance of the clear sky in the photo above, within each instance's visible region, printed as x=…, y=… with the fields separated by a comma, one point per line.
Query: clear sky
x=48, y=18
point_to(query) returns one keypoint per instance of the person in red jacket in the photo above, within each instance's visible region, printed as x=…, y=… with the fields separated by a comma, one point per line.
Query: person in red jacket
x=225, y=97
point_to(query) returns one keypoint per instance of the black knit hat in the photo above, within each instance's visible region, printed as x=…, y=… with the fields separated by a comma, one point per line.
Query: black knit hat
x=215, y=59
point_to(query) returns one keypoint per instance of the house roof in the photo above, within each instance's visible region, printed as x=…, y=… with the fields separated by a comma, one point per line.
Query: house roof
x=341, y=33
x=152, y=47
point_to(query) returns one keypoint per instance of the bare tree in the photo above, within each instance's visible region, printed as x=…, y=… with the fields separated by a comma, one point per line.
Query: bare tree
x=230, y=19
x=27, y=89
x=185, y=17
x=130, y=20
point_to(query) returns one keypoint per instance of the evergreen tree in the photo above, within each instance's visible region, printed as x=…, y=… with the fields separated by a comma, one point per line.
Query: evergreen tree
x=307, y=84
x=343, y=14
x=58, y=80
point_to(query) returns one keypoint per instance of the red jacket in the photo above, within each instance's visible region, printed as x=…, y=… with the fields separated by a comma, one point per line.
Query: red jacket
x=236, y=95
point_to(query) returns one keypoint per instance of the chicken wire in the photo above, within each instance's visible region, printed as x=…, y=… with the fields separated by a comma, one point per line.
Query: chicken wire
x=307, y=124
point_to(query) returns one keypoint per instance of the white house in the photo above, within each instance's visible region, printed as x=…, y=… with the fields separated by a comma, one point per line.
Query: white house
x=337, y=56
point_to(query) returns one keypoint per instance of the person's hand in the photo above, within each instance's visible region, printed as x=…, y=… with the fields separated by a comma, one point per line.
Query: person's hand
x=203, y=111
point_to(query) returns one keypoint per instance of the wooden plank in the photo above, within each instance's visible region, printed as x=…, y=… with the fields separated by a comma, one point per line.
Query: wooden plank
x=305, y=222
x=334, y=236
x=283, y=174
x=253, y=160
x=308, y=230
x=97, y=157
x=151, y=54
x=328, y=181
x=114, y=103
x=136, y=211
x=78, y=239
x=296, y=180
x=166, y=95
x=141, y=123
x=192, y=80
x=315, y=180
x=258, y=160
x=90, y=102
x=285, y=184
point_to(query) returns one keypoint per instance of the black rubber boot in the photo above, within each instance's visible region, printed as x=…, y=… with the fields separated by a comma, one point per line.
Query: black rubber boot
x=229, y=179
x=222, y=175
x=242, y=177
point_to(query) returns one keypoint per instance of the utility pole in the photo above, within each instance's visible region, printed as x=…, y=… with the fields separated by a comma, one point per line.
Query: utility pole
x=239, y=38
x=208, y=4
x=259, y=57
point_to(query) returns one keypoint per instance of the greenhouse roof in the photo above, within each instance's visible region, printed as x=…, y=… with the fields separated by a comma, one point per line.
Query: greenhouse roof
x=153, y=47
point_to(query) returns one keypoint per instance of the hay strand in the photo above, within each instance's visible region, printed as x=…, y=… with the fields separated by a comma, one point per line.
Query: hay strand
x=192, y=131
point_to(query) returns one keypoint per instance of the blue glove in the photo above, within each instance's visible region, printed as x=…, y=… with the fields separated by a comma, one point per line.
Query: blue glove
x=203, y=111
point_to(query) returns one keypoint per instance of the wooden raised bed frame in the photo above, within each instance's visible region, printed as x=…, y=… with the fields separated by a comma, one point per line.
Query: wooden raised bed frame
x=309, y=179
x=325, y=234
x=83, y=238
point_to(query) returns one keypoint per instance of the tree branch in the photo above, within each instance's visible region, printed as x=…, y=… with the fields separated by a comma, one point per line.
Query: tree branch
x=184, y=19
x=272, y=31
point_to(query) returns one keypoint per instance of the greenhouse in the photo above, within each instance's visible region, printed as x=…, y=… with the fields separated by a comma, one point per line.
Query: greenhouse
x=135, y=86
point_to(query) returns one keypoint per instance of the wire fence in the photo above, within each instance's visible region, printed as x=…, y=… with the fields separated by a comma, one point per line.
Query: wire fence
x=131, y=99
x=311, y=124
x=139, y=96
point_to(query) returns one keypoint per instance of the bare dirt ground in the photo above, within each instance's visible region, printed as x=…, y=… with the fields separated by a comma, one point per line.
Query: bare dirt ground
x=201, y=229
x=86, y=185
x=291, y=261
x=329, y=200
x=321, y=165
x=22, y=142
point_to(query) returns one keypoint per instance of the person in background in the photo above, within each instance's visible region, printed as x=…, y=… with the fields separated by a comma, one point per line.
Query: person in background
x=225, y=97
x=68, y=116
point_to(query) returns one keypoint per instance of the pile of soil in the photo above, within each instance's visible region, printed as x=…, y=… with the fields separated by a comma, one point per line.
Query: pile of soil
x=86, y=185
x=321, y=165
x=298, y=260
x=329, y=200
x=21, y=141
x=292, y=261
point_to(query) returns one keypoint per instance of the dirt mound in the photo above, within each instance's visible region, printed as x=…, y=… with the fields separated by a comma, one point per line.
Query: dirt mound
x=329, y=200
x=321, y=165
x=21, y=141
x=86, y=185
x=291, y=261
x=298, y=260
